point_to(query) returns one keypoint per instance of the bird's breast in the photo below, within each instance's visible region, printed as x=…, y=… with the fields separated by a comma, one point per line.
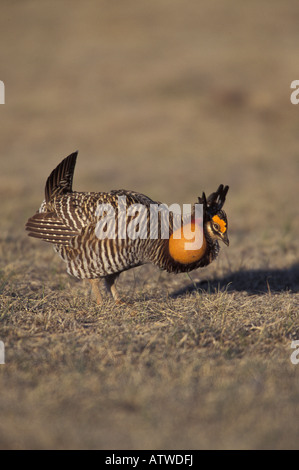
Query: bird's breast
x=188, y=244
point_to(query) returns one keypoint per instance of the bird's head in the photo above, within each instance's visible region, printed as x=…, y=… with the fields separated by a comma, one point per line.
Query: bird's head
x=215, y=219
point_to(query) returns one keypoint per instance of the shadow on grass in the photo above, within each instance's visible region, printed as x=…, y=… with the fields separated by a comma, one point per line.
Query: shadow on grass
x=253, y=281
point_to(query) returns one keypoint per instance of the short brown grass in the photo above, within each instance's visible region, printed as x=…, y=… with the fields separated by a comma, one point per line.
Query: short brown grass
x=170, y=100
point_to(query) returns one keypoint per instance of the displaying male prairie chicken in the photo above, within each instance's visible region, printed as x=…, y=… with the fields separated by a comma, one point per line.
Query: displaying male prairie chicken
x=78, y=225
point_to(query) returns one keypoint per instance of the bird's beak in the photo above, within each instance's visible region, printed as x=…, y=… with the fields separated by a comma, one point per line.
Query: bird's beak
x=225, y=238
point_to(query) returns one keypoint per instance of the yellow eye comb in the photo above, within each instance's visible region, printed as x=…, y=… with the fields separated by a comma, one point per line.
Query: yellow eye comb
x=220, y=222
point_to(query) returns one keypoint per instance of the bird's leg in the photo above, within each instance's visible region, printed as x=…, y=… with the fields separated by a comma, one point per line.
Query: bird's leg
x=96, y=290
x=110, y=286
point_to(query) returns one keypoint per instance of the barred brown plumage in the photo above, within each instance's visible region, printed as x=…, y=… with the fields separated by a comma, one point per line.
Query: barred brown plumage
x=71, y=221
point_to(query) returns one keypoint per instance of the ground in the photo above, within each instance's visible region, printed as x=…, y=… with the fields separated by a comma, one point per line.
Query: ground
x=170, y=99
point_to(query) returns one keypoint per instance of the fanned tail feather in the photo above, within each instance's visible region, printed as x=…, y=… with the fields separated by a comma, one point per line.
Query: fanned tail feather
x=49, y=228
x=60, y=180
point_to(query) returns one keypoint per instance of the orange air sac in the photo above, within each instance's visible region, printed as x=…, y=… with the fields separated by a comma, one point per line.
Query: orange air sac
x=183, y=238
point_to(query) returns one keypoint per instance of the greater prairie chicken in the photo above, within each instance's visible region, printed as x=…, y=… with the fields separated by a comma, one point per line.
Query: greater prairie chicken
x=71, y=221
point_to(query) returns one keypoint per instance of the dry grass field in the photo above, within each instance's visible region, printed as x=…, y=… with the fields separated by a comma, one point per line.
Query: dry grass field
x=168, y=98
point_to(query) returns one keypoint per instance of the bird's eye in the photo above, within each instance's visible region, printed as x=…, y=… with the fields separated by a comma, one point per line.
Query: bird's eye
x=216, y=227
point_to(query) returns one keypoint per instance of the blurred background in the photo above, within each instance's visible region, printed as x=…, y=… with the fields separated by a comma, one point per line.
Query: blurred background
x=169, y=98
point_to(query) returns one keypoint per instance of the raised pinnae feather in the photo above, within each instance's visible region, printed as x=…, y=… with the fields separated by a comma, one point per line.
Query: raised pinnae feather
x=216, y=200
